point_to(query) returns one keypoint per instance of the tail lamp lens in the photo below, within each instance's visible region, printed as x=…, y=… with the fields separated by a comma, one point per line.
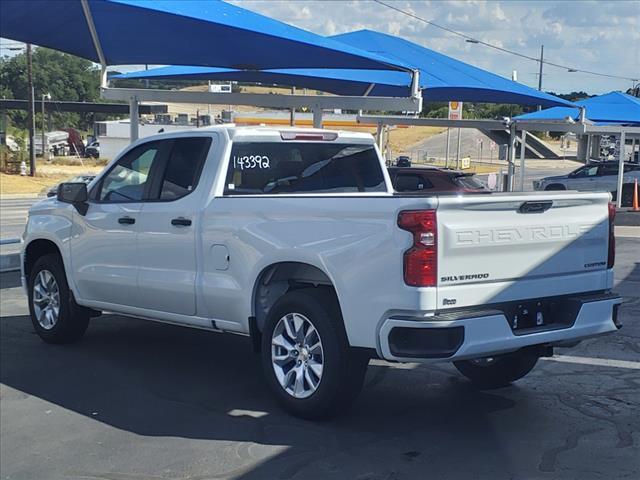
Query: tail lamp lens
x=421, y=260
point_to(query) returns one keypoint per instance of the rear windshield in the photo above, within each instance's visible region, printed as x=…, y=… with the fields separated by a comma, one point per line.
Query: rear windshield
x=469, y=182
x=272, y=168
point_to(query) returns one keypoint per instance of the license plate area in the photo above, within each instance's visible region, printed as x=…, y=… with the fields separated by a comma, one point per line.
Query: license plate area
x=536, y=315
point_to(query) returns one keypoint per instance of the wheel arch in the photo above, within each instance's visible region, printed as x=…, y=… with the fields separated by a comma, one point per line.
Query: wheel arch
x=279, y=278
x=555, y=186
x=36, y=249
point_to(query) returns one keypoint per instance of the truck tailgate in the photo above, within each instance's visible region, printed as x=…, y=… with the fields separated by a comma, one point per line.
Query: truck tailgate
x=504, y=247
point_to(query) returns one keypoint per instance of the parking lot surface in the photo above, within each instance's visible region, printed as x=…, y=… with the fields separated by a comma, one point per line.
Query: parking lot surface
x=138, y=400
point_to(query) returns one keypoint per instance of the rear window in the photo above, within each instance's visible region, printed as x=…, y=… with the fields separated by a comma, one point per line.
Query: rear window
x=294, y=167
x=470, y=182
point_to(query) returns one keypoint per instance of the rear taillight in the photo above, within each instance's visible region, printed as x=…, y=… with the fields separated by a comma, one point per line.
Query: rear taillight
x=611, y=258
x=421, y=260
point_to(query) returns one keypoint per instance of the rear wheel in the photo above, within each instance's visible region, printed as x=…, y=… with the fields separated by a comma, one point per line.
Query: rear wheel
x=54, y=314
x=500, y=370
x=555, y=186
x=306, y=356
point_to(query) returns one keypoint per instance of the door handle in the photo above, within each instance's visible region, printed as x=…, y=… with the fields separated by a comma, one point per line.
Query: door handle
x=181, y=222
x=126, y=220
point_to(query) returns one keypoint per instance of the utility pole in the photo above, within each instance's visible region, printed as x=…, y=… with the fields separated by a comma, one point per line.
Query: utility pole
x=48, y=97
x=32, y=114
x=540, y=72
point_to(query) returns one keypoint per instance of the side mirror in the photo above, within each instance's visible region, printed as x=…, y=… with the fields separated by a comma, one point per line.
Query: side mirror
x=75, y=194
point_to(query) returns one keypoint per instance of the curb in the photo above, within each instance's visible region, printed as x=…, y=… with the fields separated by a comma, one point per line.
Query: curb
x=18, y=196
x=627, y=231
x=9, y=262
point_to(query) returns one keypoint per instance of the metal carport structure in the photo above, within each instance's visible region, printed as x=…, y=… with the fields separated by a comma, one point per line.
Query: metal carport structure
x=133, y=32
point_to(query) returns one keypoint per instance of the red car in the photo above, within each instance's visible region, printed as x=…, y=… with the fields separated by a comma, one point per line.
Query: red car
x=434, y=179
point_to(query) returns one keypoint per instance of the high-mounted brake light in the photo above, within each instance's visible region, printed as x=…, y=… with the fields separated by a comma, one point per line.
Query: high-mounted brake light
x=312, y=136
x=611, y=257
x=421, y=260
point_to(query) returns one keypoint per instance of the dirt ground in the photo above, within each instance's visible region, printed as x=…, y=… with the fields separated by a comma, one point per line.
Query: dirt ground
x=47, y=175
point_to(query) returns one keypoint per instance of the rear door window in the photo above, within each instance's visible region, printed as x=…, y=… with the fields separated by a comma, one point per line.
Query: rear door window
x=608, y=169
x=277, y=168
x=183, y=167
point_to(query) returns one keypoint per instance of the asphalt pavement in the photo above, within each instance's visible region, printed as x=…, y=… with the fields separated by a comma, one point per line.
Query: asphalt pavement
x=137, y=400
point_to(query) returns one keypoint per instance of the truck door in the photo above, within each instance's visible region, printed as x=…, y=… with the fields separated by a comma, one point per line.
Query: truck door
x=104, y=249
x=168, y=227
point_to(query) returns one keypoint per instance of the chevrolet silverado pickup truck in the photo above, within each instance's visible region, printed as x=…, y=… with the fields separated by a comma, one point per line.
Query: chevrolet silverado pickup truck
x=296, y=239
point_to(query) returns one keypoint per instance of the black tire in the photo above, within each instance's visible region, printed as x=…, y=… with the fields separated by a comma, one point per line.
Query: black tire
x=344, y=368
x=72, y=320
x=555, y=186
x=501, y=370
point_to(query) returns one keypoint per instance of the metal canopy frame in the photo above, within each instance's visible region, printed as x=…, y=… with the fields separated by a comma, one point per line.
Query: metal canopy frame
x=581, y=127
x=314, y=102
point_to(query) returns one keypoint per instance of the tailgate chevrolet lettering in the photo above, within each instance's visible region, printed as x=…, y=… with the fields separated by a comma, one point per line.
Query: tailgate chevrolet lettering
x=506, y=235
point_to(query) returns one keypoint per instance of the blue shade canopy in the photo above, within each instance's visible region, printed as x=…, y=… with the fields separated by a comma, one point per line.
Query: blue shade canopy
x=611, y=108
x=189, y=32
x=337, y=81
x=442, y=78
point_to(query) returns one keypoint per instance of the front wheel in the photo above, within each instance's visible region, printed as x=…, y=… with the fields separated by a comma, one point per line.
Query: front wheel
x=500, y=370
x=54, y=314
x=306, y=356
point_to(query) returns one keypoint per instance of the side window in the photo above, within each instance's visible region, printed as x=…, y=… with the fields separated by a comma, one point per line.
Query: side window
x=410, y=182
x=587, y=172
x=608, y=170
x=128, y=179
x=631, y=168
x=183, y=167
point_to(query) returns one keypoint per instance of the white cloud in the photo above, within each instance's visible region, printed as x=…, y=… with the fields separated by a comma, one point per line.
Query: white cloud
x=592, y=35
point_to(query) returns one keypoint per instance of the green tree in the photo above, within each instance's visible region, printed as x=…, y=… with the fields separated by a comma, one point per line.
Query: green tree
x=64, y=76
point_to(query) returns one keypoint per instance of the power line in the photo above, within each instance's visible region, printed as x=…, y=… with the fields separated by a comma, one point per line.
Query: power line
x=504, y=50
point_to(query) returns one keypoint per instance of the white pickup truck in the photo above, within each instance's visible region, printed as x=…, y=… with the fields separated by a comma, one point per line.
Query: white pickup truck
x=296, y=239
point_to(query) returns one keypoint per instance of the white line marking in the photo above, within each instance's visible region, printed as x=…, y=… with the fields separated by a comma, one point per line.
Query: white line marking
x=246, y=413
x=600, y=362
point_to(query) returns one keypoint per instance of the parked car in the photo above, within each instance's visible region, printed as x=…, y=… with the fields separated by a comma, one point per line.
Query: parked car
x=86, y=178
x=595, y=177
x=92, y=150
x=403, y=161
x=295, y=239
x=434, y=180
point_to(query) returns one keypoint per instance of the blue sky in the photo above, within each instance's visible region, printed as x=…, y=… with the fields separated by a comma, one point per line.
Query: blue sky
x=591, y=35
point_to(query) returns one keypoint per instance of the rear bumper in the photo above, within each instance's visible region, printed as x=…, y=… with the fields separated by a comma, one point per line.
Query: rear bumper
x=472, y=334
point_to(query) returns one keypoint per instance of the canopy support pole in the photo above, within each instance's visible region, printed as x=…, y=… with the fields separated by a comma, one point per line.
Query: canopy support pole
x=133, y=119
x=96, y=42
x=317, y=116
x=511, y=157
x=623, y=139
x=523, y=148
x=588, y=150
x=379, y=135
x=292, y=112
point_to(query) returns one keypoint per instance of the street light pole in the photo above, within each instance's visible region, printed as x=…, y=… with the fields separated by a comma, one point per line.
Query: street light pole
x=32, y=114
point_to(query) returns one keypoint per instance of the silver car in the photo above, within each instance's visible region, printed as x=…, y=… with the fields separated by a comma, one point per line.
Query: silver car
x=595, y=177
